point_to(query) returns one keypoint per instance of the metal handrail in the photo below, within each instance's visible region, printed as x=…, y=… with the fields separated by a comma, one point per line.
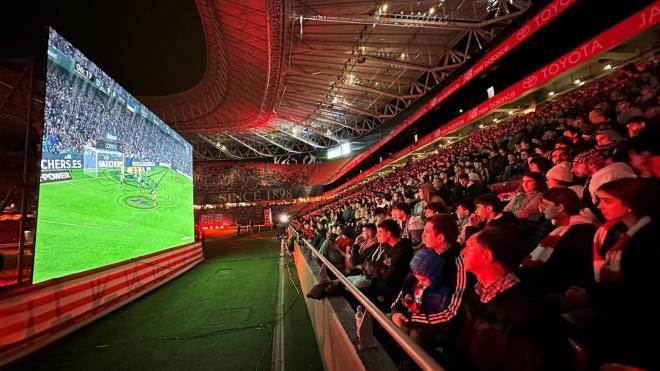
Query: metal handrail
x=419, y=355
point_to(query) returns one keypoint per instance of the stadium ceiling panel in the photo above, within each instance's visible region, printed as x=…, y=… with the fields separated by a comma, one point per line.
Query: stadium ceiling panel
x=299, y=76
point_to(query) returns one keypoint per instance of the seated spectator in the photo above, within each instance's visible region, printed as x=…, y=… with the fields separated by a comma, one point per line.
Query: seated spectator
x=426, y=195
x=620, y=312
x=563, y=258
x=424, y=292
x=389, y=264
x=439, y=324
x=597, y=169
x=489, y=212
x=461, y=189
x=345, y=240
x=610, y=143
x=409, y=198
x=475, y=186
x=578, y=145
x=644, y=153
x=320, y=234
x=526, y=203
x=380, y=214
x=411, y=226
x=511, y=169
x=331, y=251
x=483, y=172
x=560, y=175
x=464, y=209
x=362, y=250
x=508, y=325
x=539, y=164
x=438, y=207
x=560, y=155
x=636, y=125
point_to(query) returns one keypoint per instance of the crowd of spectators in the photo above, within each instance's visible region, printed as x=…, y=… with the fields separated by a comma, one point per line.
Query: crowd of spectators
x=255, y=213
x=554, y=215
x=209, y=179
x=237, y=215
x=77, y=113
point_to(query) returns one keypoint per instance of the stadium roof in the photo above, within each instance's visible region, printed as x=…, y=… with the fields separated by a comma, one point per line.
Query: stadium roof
x=292, y=77
x=259, y=79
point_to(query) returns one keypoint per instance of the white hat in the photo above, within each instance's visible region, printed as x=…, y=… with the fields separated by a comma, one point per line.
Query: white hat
x=561, y=172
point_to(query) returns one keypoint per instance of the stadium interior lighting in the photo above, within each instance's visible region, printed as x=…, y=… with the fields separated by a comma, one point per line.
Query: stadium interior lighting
x=510, y=112
x=577, y=82
x=551, y=93
x=460, y=110
x=608, y=67
x=431, y=11
x=284, y=218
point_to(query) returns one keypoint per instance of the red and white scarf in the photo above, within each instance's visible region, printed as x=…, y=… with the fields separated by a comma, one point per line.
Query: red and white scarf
x=608, y=270
x=541, y=254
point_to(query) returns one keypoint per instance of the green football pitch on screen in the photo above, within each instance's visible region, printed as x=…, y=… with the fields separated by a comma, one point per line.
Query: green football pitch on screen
x=92, y=221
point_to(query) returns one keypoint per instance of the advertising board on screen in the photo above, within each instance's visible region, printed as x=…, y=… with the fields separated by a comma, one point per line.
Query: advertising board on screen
x=116, y=181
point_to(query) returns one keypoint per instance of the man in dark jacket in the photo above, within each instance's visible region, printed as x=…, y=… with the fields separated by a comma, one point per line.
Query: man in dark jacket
x=508, y=326
x=389, y=268
x=439, y=325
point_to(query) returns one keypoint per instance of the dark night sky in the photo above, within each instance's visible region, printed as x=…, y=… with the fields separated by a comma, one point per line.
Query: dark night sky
x=151, y=47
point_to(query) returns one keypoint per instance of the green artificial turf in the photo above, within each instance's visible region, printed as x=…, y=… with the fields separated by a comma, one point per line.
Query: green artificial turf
x=89, y=222
x=218, y=316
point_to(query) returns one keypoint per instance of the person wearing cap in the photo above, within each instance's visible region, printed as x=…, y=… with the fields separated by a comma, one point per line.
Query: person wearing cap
x=424, y=292
x=560, y=175
x=442, y=264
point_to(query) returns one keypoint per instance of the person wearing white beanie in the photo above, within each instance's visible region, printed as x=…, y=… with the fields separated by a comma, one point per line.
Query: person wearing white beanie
x=560, y=175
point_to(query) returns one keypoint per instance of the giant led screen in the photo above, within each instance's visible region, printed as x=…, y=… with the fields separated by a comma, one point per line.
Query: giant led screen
x=116, y=181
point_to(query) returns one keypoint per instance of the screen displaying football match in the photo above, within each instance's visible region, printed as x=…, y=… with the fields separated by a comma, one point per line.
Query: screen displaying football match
x=116, y=181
